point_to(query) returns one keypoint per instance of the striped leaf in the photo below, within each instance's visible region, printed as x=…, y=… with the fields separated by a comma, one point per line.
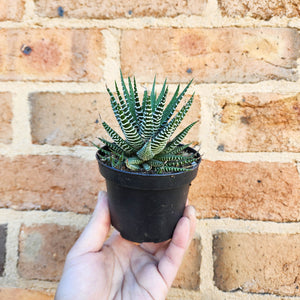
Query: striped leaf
x=174, y=103
x=178, y=149
x=160, y=141
x=161, y=94
x=178, y=139
x=115, y=106
x=129, y=102
x=183, y=161
x=134, y=160
x=138, y=108
x=132, y=163
x=111, y=146
x=155, y=163
x=145, y=99
x=118, y=140
x=157, y=115
x=125, y=108
x=145, y=153
x=130, y=132
x=146, y=129
x=168, y=157
x=171, y=169
x=132, y=100
x=153, y=95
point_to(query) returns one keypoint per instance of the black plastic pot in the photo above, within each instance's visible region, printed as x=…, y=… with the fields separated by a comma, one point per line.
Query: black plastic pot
x=146, y=207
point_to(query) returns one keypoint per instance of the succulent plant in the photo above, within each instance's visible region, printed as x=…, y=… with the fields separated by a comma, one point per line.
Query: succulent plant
x=147, y=127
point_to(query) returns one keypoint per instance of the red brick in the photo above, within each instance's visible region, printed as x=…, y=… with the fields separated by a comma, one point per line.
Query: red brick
x=188, y=276
x=69, y=119
x=52, y=54
x=23, y=294
x=12, y=10
x=262, y=9
x=62, y=183
x=3, y=233
x=211, y=55
x=109, y=9
x=55, y=118
x=43, y=250
x=252, y=191
x=257, y=263
x=259, y=122
x=6, y=118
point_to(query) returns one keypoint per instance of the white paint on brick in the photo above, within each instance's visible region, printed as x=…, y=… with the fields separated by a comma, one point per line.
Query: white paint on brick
x=29, y=14
x=206, y=136
x=13, y=229
x=20, y=122
x=210, y=19
x=206, y=268
x=112, y=62
x=180, y=294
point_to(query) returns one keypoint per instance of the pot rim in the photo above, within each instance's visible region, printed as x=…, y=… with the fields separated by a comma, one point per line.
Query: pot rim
x=139, y=174
x=144, y=181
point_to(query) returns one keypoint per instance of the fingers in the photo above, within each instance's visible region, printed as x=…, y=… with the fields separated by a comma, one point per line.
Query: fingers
x=95, y=233
x=172, y=258
x=190, y=213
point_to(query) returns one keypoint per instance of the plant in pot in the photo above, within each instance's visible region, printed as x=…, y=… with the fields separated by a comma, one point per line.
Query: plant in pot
x=147, y=173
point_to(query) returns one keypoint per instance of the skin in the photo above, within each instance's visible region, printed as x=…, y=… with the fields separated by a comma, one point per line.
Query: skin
x=115, y=268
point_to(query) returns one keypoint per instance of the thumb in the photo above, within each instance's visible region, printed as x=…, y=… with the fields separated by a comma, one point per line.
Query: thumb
x=95, y=233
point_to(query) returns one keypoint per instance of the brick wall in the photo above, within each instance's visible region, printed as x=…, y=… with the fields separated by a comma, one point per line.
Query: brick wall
x=55, y=59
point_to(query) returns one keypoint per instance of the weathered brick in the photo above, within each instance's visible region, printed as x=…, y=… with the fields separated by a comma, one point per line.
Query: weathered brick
x=23, y=294
x=43, y=249
x=3, y=233
x=51, y=54
x=12, y=10
x=211, y=55
x=69, y=119
x=5, y=118
x=73, y=119
x=257, y=263
x=259, y=122
x=109, y=9
x=262, y=9
x=62, y=183
x=254, y=191
x=188, y=276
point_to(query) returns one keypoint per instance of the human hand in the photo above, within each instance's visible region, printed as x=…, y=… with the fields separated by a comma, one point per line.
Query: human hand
x=119, y=269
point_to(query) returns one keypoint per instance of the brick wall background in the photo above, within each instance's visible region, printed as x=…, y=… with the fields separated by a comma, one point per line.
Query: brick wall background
x=55, y=59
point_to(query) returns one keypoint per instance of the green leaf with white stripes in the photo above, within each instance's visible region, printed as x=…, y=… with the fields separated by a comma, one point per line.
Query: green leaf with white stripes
x=171, y=107
x=146, y=129
x=125, y=107
x=178, y=139
x=158, y=113
x=130, y=132
x=118, y=140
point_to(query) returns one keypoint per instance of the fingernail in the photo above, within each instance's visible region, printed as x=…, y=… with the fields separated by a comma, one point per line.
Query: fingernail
x=190, y=212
